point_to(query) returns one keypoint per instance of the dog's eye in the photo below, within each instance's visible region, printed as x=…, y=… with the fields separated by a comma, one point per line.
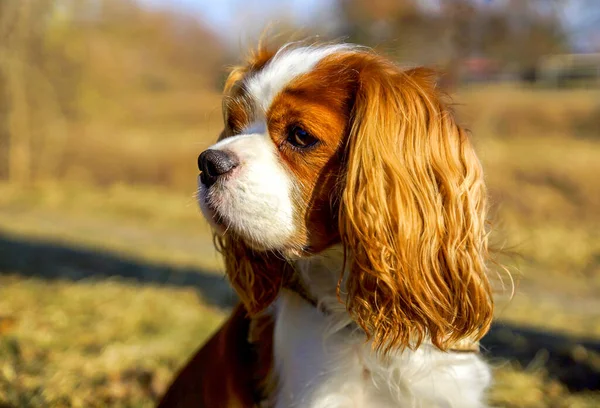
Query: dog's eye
x=299, y=137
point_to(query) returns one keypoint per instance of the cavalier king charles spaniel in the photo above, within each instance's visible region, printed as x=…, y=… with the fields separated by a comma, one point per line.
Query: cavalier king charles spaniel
x=350, y=209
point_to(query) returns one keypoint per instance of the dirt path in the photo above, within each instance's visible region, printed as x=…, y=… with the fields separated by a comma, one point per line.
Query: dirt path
x=153, y=242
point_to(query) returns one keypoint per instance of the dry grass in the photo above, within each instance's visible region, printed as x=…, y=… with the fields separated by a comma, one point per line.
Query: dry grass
x=94, y=344
x=540, y=151
x=106, y=120
x=128, y=189
x=517, y=387
x=142, y=222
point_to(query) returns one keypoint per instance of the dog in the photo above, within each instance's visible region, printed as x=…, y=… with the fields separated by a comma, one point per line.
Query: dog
x=350, y=208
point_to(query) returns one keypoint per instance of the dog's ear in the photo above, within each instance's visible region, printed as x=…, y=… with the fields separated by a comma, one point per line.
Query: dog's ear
x=412, y=214
x=256, y=276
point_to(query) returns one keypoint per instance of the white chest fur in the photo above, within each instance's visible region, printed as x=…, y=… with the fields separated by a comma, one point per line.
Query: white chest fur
x=318, y=367
x=321, y=362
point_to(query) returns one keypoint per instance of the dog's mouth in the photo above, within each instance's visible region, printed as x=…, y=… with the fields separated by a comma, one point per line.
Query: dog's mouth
x=209, y=209
x=219, y=222
x=230, y=210
x=216, y=219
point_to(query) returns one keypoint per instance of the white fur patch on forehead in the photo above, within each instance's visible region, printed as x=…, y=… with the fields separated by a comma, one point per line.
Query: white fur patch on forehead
x=286, y=65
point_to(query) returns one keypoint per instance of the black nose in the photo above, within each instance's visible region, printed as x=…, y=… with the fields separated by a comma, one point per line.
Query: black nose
x=215, y=163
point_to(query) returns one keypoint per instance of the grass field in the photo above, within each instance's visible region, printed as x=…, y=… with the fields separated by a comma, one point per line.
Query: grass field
x=106, y=288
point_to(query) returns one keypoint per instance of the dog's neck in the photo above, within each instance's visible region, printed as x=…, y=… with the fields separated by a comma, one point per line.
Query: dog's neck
x=318, y=277
x=317, y=282
x=322, y=355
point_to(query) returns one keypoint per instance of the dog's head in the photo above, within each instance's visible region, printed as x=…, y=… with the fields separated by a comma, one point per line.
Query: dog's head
x=333, y=144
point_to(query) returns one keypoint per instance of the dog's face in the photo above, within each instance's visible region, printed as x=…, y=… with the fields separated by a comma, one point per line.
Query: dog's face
x=335, y=144
x=272, y=179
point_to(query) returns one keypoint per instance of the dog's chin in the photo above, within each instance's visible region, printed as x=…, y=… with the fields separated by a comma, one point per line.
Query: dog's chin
x=222, y=227
x=289, y=253
x=215, y=221
x=210, y=213
x=219, y=224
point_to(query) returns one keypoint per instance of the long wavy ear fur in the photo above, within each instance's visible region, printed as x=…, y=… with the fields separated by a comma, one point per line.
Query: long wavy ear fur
x=255, y=276
x=412, y=215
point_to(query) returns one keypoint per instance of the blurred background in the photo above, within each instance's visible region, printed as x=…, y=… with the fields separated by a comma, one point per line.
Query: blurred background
x=108, y=277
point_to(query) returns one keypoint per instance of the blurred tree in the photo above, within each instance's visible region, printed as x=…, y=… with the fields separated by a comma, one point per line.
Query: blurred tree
x=66, y=64
x=513, y=32
x=20, y=35
x=522, y=32
x=399, y=27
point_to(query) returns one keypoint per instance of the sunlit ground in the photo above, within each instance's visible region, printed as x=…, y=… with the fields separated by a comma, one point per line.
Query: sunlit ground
x=83, y=327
